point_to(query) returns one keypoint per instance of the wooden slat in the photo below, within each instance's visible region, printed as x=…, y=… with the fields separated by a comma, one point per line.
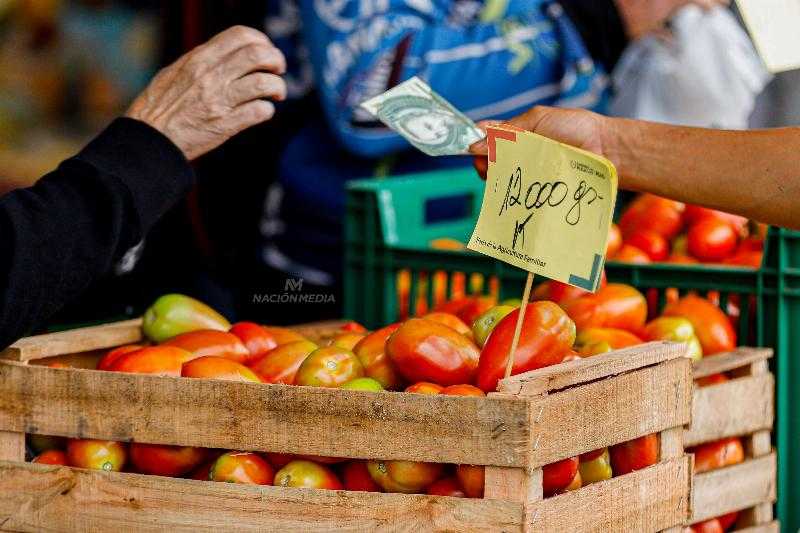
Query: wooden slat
x=590, y=369
x=320, y=331
x=733, y=488
x=250, y=416
x=652, y=499
x=714, y=364
x=43, y=498
x=513, y=484
x=757, y=515
x=75, y=341
x=737, y=407
x=12, y=446
x=610, y=411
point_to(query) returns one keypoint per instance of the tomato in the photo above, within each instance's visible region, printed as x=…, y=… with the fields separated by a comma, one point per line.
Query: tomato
x=202, y=472
x=210, y=367
x=713, y=379
x=450, y=320
x=347, y=341
x=695, y=213
x=371, y=352
x=404, y=476
x=423, y=387
x=546, y=337
x=588, y=340
x=751, y=244
x=680, y=259
x=712, y=240
x=242, y=467
x=675, y=329
x=614, y=240
x=279, y=460
x=748, y=258
x=281, y=364
x=365, y=384
x=108, y=359
x=356, y=477
x=575, y=484
x=321, y=459
x=353, y=327
x=284, y=335
x=634, y=454
x=211, y=342
x=105, y=455
x=652, y=213
x=485, y=323
x=707, y=526
x=307, y=474
x=255, y=338
x=557, y=476
x=596, y=469
x=653, y=244
x=727, y=520
x=472, y=479
x=51, y=457
x=594, y=454
x=614, y=306
x=717, y=454
x=462, y=390
x=163, y=460
x=173, y=314
x=42, y=443
x=423, y=350
x=158, y=360
x=447, y=486
x=711, y=325
x=631, y=254
x=468, y=308
x=329, y=367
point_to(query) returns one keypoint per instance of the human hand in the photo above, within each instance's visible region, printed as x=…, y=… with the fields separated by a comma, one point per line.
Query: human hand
x=214, y=91
x=576, y=127
x=645, y=16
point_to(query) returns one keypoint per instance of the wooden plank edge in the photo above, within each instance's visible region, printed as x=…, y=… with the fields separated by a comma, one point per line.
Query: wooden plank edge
x=724, y=362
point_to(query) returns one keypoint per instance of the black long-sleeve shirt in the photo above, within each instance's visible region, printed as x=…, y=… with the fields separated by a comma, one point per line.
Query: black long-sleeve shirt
x=601, y=27
x=75, y=223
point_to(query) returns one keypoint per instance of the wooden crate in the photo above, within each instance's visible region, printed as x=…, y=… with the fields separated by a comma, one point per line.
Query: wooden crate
x=742, y=407
x=535, y=419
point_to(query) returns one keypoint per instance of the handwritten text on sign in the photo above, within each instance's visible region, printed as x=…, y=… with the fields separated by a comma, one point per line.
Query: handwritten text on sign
x=547, y=207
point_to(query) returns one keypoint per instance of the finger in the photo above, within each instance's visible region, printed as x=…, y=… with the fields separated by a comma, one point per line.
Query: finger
x=249, y=114
x=253, y=58
x=255, y=86
x=231, y=40
x=481, y=166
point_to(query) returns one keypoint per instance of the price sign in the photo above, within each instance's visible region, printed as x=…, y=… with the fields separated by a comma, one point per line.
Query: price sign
x=547, y=207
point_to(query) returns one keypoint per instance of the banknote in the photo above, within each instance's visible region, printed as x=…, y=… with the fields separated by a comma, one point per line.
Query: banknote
x=424, y=118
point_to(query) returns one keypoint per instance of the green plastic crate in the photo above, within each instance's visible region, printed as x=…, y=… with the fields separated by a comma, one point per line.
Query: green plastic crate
x=389, y=228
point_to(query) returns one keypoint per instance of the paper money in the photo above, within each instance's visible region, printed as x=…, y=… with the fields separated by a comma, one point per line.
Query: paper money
x=424, y=118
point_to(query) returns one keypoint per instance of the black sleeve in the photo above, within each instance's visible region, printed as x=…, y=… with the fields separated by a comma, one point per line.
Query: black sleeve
x=600, y=24
x=69, y=229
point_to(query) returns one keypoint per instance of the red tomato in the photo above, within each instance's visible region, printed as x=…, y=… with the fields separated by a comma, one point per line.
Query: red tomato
x=634, y=454
x=322, y=459
x=447, y=486
x=652, y=213
x=205, y=342
x=353, y=327
x=242, y=467
x=615, y=338
x=449, y=320
x=653, y=244
x=423, y=387
x=371, y=352
x=284, y=335
x=471, y=478
x=707, y=526
x=356, y=477
x=163, y=460
x=51, y=457
x=462, y=390
x=589, y=456
x=202, y=472
x=557, y=476
x=614, y=306
x=256, y=339
x=329, y=367
x=694, y=214
x=749, y=258
x=712, y=240
x=281, y=364
x=680, y=259
x=727, y=520
x=279, y=460
x=57, y=364
x=717, y=454
x=546, y=337
x=158, y=360
x=631, y=254
x=751, y=244
x=105, y=455
x=468, y=308
x=711, y=325
x=404, y=476
x=307, y=474
x=614, y=240
x=713, y=379
x=560, y=293
x=108, y=359
x=210, y=367
x=423, y=350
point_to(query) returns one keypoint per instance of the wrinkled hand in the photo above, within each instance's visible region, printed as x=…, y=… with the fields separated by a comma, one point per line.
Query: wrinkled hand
x=645, y=16
x=576, y=127
x=214, y=91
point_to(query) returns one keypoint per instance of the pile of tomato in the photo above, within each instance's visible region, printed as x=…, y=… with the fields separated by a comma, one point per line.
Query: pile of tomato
x=654, y=229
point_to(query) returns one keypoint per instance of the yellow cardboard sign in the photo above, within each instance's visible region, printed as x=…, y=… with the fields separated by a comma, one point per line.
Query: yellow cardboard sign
x=547, y=207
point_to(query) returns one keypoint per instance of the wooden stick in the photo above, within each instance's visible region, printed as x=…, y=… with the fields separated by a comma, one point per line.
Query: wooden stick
x=525, y=295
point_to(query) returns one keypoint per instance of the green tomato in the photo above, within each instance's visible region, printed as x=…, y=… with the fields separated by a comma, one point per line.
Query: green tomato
x=486, y=322
x=513, y=302
x=329, y=367
x=368, y=384
x=173, y=314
